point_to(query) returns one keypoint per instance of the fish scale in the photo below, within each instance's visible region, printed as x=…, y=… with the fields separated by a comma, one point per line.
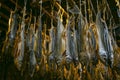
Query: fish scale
x=60, y=29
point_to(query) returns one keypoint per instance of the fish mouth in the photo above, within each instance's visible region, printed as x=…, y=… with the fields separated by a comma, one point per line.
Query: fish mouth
x=68, y=59
x=51, y=58
x=103, y=58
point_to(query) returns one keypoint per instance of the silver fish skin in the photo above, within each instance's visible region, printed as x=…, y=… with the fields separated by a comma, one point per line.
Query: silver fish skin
x=60, y=28
x=19, y=58
x=107, y=43
x=68, y=54
x=32, y=64
x=13, y=24
x=75, y=53
x=52, y=44
x=102, y=51
x=39, y=52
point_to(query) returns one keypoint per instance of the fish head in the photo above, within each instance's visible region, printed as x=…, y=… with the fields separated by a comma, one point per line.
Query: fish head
x=103, y=56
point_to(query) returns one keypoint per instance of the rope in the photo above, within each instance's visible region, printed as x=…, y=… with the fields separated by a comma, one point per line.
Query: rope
x=92, y=7
x=110, y=12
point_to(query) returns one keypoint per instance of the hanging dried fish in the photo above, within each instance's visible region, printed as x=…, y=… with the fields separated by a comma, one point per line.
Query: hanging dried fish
x=32, y=64
x=74, y=9
x=107, y=43
x=52, y=44
x=27, y=31
x=118, y=12
x=102, y=52
x=68, y=36
x=12, y=29
x=19, y=59
x=75, y=52
x=60, y=29
x=36, y=40
x=118, y=5
x=52, y=40
x=13, y=24
x=32, y=59
x=39, y=52
x=81, y=24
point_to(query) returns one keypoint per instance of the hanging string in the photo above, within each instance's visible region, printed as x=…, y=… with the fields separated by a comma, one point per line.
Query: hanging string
x=67, y=7
x=90, y=12
x=80, y=5
x=110, y=13
x=52, y=6
x=40, y=2
x=24, y=9
x=118, y=10
x=16, y=5
x=85, y=4
x=97, y=6
x=91, y=4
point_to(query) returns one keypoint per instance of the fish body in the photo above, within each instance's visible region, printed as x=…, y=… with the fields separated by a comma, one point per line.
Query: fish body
x=105, y=45
x=21, y=45
x=68, y=37
x=59, y=32
x=52, y=44
x=13, y=24
x=32, y=63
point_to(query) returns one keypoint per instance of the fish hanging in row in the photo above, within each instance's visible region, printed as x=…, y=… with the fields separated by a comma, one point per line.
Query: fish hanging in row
x=13, y=24
x=102, y=51
x=32, y=58
x=74, y=46
x=39, y=52
x=21, y=47
x=52, y=43
x=107, y=43
x=68, y=43
x=59, y=33
x=12, y=29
